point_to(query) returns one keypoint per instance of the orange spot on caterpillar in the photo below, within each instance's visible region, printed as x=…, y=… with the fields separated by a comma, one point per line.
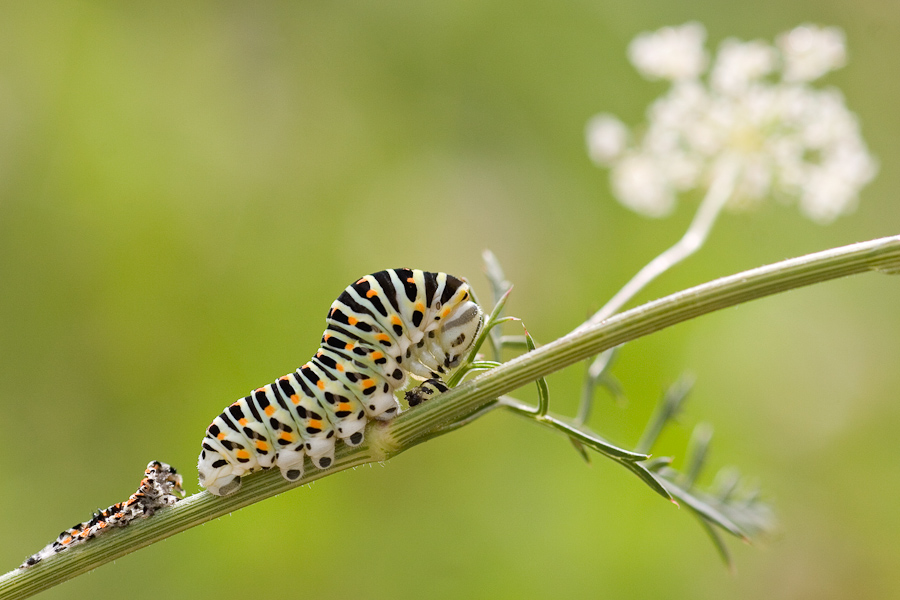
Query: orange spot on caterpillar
x=371, y=293
x=339, y=367
x=348, y=346
x=382, y=337
x=242, y=454
x=269, y=410
x=221, y=436
x=242, y=422
x=288, y=437
x=295, y=399
x=367, y=383
x=320, y=384
x=262, y=446
x=352, y=320
x=395, y=320
x=315, y=423
x=377, y=356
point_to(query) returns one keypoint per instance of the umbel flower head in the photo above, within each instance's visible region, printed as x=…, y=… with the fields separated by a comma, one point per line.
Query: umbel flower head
x=755, y=111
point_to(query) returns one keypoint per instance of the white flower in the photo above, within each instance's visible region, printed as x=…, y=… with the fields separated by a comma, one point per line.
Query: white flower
x=640, y=183
x=788, y=139
x=674, y=53
x=739, y=64
x=606, y=137
x=810, y=51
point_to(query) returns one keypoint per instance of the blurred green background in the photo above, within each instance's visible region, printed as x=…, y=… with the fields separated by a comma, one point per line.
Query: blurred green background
x=185, y=188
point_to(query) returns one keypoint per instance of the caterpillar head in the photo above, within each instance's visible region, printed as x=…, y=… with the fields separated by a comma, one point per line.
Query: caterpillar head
x=459, y=330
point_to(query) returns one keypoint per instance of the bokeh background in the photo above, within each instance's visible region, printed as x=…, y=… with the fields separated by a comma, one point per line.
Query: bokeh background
x=185, y=187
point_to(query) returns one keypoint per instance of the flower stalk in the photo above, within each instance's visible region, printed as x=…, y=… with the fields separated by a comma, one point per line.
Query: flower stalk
x=472, y=399
x=718, y=195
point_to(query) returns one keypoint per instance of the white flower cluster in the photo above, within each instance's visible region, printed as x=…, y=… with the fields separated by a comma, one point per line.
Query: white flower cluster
x=756, y=109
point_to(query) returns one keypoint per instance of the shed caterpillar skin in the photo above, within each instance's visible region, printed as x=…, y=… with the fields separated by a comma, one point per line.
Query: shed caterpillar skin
x=158, y=488
x=383, y=329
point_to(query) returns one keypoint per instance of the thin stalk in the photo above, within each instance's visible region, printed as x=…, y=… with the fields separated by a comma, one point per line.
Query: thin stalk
x=384, y=440
x=573, y=430
x=717, y=196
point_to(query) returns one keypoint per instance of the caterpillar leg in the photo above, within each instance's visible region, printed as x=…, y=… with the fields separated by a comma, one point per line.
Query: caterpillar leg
x=290, y=461
x=352, y=431
x=378, y=399
x=320, y=451
x=223, y=486
x=217, y=474
x=428, y=389
x=386, y=406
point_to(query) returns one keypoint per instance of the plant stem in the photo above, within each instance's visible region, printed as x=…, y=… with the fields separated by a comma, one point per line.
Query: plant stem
x=717, y=196
x=384, y=440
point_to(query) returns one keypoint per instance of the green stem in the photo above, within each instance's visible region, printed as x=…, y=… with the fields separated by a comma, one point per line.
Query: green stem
x=575, y=431
x=882, y=254
x=720, y=191
x=385, y=440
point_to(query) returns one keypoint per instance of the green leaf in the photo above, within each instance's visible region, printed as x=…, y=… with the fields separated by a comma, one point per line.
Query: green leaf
x=717, y=541
x=513, y=342
x=494, y=273
x=725, y=484
x=649, y=478
x=582, y=451
x=666, y=410
x=698, y=448
x=543, y=388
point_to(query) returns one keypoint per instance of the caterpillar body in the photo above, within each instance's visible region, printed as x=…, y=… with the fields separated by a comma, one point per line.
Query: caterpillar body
x=383, y=329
